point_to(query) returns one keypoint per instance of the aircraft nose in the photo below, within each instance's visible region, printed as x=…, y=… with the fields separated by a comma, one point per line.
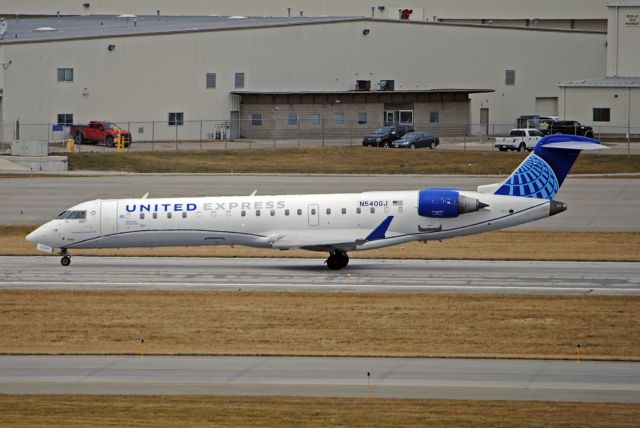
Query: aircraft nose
x=37, y=235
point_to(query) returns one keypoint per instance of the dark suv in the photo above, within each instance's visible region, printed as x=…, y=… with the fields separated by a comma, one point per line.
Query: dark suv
x=570, y=127
x=383, y=137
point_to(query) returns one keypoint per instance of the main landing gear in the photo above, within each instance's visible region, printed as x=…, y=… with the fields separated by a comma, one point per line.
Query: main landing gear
x=337, y=260
x=66, y=259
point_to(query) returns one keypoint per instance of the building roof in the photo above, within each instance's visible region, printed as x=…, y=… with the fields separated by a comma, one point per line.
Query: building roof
x=605, y=82
x=407, y=92
x=74, y=27
x=628, y=3
x=44, y=29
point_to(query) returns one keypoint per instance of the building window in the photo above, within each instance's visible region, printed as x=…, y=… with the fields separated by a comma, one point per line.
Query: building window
x=211, y=80
x=239, y=81
x=256, y=119
x=362, y=118
x=65, y=119
x=601, y=114
x=434, y=117
x=65, y=75
x=339, y=119
x=406, y=117
x=293, y=120
x=510, y=77
x=316, y=119
x=176, y=119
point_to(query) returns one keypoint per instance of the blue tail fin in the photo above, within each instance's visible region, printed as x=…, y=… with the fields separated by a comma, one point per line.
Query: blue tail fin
x=543, y=171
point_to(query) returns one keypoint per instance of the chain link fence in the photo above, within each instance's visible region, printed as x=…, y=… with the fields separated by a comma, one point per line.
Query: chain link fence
x=282, y=133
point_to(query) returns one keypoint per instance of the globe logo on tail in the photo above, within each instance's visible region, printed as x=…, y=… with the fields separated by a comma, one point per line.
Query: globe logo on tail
x=533, y=179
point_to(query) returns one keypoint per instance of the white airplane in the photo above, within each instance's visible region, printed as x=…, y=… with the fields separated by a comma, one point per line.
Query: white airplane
x=335, y=223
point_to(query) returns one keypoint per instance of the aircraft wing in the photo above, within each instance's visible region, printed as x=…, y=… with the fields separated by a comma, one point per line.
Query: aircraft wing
x=342, y=238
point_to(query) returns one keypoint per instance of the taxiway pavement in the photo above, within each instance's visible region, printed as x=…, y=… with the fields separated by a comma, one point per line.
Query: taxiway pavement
x=594, y=203
x=588, y=381
x=362, y=275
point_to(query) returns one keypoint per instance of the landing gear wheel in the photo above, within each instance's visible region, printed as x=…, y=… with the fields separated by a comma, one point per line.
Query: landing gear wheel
x=65, y=261
x=337, y=260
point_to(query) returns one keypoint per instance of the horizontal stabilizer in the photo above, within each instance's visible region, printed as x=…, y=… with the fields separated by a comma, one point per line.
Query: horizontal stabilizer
x=575, y=145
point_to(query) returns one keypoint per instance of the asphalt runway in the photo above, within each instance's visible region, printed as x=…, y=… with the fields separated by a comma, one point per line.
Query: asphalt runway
x=336, y=377
x=594, y=204
x=311, y=275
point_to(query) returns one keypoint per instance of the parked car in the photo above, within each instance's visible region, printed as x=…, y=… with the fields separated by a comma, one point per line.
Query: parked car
x=97, y=132
x=414, y=140
x=383, y=137
x=570, y=127
x=519, y=139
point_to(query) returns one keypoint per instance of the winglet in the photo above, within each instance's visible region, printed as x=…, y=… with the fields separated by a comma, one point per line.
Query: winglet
x=380, y=231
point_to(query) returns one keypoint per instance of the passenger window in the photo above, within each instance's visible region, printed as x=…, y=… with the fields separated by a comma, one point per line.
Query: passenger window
x=184, y=214
x=344, y=211
x=358, y=210
x=328, y=211
x=141, y=216
x=286, y=212
x=313, y=211
x=155, y=215
x=272, y=212
x=299, y=211
x=243, y=213
x=168, y=215
x=372, y=210
x=257, y=213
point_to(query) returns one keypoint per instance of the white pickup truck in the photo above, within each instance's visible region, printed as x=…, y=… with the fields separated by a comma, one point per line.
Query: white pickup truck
x=519, y=139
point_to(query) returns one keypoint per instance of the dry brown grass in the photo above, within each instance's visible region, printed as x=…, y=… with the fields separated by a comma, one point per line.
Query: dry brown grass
x=335, y=160
x=501, y=245
x=256, y=323
x=81, y=411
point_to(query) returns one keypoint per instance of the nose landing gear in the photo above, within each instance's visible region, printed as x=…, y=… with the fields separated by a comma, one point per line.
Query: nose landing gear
x=337, y=260
x=66, y=259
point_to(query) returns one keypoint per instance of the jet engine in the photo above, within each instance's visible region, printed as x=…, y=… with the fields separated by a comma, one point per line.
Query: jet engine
x=446, y=203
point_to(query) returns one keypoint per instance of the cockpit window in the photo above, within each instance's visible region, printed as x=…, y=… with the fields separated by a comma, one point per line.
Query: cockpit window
x=72, y=215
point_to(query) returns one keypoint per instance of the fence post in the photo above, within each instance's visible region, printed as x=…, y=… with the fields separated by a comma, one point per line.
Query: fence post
x=153, y=135
x=200, y=134
x=175, y=123
x=298, y=128
x=275, y=125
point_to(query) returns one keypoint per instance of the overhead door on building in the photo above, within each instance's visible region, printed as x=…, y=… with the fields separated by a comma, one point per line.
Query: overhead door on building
x=546, y=106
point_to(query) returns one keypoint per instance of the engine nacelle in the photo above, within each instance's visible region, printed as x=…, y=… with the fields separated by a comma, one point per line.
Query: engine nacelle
x=446, y=203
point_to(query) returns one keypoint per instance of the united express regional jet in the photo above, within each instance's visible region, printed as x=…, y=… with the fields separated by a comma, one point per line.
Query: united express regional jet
x=334, y=223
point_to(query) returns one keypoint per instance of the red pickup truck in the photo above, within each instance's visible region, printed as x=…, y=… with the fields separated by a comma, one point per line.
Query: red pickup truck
x=98, y=132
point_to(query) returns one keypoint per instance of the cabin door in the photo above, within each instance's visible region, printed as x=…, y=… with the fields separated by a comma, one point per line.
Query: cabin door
x=314, y=215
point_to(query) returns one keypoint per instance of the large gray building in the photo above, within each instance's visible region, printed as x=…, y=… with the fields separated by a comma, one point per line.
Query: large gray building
x=182, y=69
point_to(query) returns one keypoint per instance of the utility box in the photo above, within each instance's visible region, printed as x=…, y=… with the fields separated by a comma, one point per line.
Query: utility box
x=30, y=148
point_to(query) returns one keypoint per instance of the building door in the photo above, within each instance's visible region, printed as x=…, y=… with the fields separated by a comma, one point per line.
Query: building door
x=484, y=120
x=546, y=106
x=235, y=125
